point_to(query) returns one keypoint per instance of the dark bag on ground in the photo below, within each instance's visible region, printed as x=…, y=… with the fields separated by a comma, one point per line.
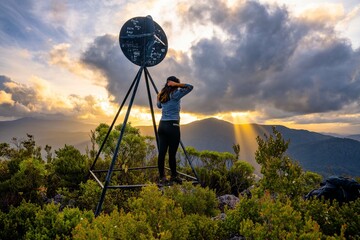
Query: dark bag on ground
x=339, y=188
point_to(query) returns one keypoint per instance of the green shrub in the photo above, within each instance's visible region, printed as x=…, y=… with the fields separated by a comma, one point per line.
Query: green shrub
x=277, y=221
x=50, y=223
x=193, y=199
x=240, y=176
x=215, y=179
x=201, y=227
x=117, y=225
x=152, y=215
x=268, y=218
x=161, y=213
x=335, y=220
x=250, y=208
x=68, y=169
x=350, y=214
x=18, y=221
x=89, y=195
x=281, y=175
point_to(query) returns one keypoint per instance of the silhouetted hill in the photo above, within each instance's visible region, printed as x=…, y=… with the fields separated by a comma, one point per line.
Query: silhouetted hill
x=330, y=157
x=314, y=151
x=355, y=137
x=55, y=133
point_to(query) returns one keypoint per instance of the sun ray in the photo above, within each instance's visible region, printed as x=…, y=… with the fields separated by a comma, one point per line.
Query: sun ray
x=245, y=134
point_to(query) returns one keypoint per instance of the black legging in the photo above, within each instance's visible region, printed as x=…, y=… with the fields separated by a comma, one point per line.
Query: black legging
x=169, y=138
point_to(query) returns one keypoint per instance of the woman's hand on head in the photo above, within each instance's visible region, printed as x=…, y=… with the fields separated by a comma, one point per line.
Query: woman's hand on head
x=172, y=84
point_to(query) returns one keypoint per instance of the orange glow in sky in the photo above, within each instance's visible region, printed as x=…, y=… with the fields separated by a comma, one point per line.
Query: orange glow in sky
x=58, y=59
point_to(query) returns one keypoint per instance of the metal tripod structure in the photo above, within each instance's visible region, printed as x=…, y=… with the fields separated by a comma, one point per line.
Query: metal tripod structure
x=133, y=88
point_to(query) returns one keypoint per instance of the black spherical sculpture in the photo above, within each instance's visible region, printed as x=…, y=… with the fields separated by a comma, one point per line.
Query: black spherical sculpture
x=143, y=41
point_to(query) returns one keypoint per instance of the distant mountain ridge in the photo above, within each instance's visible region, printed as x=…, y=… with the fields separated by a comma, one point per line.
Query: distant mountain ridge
x=55, y=133
x=354, y=137
x=316, y=152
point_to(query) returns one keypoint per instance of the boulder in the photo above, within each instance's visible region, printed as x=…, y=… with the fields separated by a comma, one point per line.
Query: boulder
x=227, y=200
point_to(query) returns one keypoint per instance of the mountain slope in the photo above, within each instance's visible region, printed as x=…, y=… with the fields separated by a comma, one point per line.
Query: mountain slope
x=55, y=133
x=329, y=157
x=355, y=137
x=314, y=151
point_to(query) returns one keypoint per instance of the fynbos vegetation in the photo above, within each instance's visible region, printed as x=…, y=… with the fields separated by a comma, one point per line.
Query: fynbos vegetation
x=50, y=197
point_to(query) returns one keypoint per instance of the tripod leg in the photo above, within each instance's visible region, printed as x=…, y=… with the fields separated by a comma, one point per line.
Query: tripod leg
x=152, y=82
x=112, y=124
x=147, y=74
x=108, y=176
x=190, y=163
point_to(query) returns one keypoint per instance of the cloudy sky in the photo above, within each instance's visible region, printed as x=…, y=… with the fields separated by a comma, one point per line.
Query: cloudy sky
x=267, y=61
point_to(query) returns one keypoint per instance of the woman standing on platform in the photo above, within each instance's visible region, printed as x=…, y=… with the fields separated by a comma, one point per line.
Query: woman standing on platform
x=169, y=129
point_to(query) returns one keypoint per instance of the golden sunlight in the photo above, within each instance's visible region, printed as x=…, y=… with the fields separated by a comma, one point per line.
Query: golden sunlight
x=6, y=98
x=237, y=118
x=141, y=116
x=107, y=107
x=323, y=12
x=245, y=134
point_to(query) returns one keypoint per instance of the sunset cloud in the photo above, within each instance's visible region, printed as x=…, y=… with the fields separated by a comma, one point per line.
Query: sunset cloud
x=328, y=13
x=59, y=55
x=273, y=60
x=269, y=60
x=6, y=98
x=276, y=59
x=38, y=100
